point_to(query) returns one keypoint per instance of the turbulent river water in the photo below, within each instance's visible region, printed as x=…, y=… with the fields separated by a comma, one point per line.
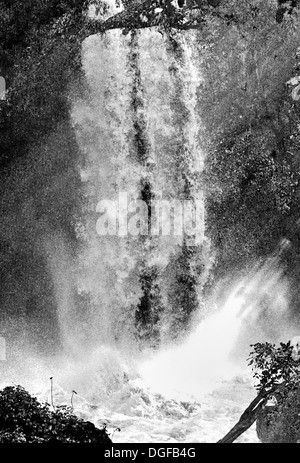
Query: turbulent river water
x=183, y=394
x=192, y=391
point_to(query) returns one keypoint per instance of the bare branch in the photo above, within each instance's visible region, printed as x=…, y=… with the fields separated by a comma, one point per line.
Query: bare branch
x=146, y=15
x=249, y=416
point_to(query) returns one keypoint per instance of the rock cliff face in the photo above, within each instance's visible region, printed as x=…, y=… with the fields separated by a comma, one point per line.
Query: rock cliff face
x=281, y=423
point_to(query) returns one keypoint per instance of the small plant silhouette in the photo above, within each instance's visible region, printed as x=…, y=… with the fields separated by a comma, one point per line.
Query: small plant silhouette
x=72, y=406
x=51, y=392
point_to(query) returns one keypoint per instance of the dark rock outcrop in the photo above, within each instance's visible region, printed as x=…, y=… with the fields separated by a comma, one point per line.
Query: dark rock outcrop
x=281, y=423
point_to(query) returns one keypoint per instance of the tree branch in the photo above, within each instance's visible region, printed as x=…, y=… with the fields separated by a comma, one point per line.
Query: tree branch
x=249, y=416
x=147, y=14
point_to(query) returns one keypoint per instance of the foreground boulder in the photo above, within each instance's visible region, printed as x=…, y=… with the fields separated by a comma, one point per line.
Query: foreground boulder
x=280, y=423
x=24, y=419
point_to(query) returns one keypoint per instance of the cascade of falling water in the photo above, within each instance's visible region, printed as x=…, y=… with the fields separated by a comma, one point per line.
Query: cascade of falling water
x=170, y=81
x=150, y=306
x=140, y=136
x=108, y=263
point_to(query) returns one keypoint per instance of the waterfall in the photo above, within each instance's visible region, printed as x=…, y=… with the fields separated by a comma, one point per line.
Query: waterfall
x=115, y=309
x=140, y=136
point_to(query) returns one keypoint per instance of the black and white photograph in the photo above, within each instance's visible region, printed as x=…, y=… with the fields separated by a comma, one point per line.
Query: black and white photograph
x=149, y=224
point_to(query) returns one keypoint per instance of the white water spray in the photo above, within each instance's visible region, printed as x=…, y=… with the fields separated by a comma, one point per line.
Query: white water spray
x=256, y=310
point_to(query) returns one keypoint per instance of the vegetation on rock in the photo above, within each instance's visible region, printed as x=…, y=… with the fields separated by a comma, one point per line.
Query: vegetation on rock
x=24, y=420
x=276, y=408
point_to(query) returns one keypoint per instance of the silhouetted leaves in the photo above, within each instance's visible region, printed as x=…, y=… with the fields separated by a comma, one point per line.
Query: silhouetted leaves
x=273, y=366
x=24, y=419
